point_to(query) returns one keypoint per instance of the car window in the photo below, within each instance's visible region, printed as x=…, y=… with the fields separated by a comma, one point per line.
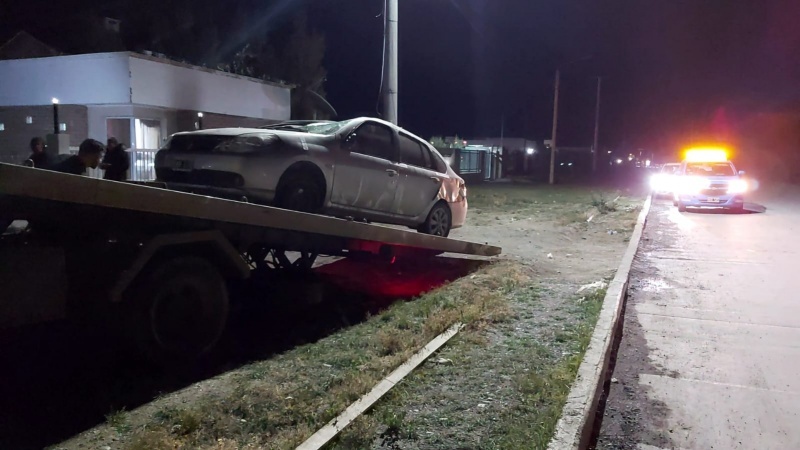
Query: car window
x=670, y=168
x=438, y=163
x=411, y=152
x=426, y=157
x=375, y=140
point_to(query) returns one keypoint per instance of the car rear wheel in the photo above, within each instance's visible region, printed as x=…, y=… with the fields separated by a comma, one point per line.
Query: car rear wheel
x=300, y=192
x=438, y=222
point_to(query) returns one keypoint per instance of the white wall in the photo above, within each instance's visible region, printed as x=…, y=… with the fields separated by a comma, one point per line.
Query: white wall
x=181, y=87
x=122, y=79
x=99, y=78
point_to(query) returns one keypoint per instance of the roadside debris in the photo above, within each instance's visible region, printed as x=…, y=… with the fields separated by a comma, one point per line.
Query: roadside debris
x=597, y=285
x=549, y=256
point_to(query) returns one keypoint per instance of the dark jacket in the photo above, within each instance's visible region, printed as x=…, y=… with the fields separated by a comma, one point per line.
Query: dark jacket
x=119, y=162
x=73, y=165
x=39, y=159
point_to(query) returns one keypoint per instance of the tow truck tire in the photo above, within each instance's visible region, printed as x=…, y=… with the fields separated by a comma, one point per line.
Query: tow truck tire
x=438, y=222
x=180, y=310
x=299, y=191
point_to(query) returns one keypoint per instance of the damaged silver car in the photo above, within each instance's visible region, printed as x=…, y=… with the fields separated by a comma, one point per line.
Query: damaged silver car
x=364, y=168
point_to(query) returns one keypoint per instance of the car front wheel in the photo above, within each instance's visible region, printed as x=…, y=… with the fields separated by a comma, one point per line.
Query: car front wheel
x=300, y=192
x=438, y=222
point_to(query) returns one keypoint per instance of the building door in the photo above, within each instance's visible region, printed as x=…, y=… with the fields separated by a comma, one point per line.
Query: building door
x=119, y=128
x=148, y=134
x=148, y=141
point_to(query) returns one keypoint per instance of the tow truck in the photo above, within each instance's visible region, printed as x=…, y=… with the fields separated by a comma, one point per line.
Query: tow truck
x=159, y=264
x=708, y=179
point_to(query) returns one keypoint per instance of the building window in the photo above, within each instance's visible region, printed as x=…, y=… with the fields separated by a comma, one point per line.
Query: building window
x=29, y=120
x=62, y=126
x=2, y=127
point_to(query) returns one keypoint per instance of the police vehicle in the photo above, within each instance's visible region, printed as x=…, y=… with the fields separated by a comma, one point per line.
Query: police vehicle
x=708, y=179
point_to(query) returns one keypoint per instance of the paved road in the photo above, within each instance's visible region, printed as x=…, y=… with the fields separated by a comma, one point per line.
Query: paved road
x=710, y=356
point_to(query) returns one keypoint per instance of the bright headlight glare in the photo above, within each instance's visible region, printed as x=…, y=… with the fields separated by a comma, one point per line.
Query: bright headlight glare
x=737, y=187
x=656, y=181
x=692, y=185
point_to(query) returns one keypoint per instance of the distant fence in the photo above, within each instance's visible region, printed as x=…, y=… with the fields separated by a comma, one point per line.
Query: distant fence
x=142, y=165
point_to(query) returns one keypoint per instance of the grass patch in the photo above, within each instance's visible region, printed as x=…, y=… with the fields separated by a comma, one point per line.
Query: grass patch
x=537, y=373
x=280, y=402
x=118, y=420
x=603, y=203
x=532, y=422
x=566, y=204
x=513, y=198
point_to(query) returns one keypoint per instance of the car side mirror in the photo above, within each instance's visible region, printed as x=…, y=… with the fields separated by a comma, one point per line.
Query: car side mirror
x=741, y=172
x=349, y=141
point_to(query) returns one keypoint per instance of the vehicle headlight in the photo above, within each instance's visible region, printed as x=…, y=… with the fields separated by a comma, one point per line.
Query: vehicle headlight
x=656, y=182
x=737, y=187
x=692, y=185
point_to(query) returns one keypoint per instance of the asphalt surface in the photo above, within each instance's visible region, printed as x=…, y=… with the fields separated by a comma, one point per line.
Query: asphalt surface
x=710, y=352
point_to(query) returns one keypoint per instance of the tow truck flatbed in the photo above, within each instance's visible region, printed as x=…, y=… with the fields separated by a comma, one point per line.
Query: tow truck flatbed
x=33, y=193
x=159, y=264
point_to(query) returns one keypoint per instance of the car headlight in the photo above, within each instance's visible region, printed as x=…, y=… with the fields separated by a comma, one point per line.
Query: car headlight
x=737, y=187
x=656, y=182
x=691, y=185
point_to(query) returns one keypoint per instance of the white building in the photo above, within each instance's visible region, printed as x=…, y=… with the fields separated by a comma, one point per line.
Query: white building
x=138, y=99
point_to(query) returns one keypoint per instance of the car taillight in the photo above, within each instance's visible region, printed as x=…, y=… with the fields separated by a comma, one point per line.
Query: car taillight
x=462, y=190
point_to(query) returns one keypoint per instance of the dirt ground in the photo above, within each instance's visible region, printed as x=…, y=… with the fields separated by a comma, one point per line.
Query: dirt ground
x=484, y=386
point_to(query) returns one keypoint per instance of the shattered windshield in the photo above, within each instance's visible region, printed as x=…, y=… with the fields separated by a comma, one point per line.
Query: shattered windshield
x=321, y=127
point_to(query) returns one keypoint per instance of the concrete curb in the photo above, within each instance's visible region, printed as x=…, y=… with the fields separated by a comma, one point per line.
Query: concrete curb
x=574, y=429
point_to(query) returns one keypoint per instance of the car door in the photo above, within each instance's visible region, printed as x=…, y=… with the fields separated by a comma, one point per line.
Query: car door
x=418, y=184
x=365, y=177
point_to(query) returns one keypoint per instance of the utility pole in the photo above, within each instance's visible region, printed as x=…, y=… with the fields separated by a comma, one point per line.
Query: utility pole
x=555, y=130
x=596, y=126
x=390, y=63
x=499, y=154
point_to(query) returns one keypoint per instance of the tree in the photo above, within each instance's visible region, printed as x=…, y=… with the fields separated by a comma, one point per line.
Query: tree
x=293, y=55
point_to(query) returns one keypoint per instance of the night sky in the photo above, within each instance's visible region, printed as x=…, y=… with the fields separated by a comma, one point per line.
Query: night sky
x=670, y=67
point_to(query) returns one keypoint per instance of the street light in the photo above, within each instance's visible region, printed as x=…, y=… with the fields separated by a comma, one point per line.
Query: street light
x=530, y=150
x=199, y=121
x=55, y=116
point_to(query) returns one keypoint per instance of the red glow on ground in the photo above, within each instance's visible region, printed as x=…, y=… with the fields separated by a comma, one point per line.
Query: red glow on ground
x=400, y=278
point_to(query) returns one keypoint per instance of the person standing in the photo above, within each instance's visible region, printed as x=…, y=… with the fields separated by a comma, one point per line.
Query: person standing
x=89, y=154
x=116, y=161
x=38, y=156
